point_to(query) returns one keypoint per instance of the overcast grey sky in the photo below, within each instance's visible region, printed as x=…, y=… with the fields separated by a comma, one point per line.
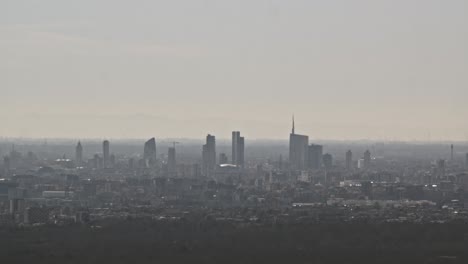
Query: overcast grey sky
x=393, y=69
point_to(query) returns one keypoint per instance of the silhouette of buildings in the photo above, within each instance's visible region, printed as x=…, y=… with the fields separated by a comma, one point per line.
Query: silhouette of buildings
x=106, y=153
x=149, y=152
x=209, y=156
x=451, y=153
x=327, y=161
x=315, y=156
x=97, y=162
x=298, y=150
x=79, y=154
x=7, y=165
x=441, y=168
x=171, y=161
x=237, y=149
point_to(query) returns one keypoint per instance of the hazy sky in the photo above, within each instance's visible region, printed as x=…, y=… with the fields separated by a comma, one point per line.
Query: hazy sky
x=394, y=69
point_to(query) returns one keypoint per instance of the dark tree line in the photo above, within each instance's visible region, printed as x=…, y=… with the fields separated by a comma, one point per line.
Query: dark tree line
x=145, y=241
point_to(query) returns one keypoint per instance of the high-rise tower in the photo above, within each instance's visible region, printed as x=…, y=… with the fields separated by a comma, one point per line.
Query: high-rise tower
x=237, y=149
x=315, y=156
x=149, y=152
x=209, y=156
x=298, y=150
x=79, y=154
x=106, y=153
x=451, y=153
x=171, y=161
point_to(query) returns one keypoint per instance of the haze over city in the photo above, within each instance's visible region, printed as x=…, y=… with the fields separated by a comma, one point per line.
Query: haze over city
x=242, y=131
x=382, y=70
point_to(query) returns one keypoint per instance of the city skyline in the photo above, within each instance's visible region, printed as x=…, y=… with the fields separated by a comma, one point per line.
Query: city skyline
x=271, y=131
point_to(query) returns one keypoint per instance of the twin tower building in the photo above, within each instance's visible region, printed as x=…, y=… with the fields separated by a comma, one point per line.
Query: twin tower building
x=209, y=153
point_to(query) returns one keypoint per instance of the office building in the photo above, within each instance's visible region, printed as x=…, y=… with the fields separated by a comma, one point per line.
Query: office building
x=79, y=154
x=298, y=150
x=96, y=162
x=237, y=149
x=106, y=153
x=209, y=156
x=6, y=165
x=16, y=205
x=315, y=156
x=149, y=152
x=441, y=168
x=451, y=153
x=328, y=161
x=360, y=164
x=171, y=162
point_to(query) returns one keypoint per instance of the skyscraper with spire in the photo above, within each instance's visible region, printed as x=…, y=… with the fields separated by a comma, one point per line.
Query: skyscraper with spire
x=298, y=150
x=79, y=154
x=451, y=153
x=293, y=125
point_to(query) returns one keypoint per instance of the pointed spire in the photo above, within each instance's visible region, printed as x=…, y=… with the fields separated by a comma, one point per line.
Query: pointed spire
x=293, y=128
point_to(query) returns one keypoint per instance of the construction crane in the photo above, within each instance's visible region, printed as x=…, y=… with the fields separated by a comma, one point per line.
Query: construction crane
x=174, y=143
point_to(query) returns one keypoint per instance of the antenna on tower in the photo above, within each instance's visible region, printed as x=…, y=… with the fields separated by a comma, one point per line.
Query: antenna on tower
x=293, y=127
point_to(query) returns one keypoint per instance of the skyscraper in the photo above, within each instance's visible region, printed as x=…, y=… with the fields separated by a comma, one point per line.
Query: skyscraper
x=349, y=160
x=149, y=152
x=79, y=154
x=298, y=150
x=171, y=161
x=441, y=169
x=106, y=154
x=315, y=156
x=240, y=152
x=209, y=156
x=237, y=149
x=97, y=161
x=451, y=153
x=7, y=165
